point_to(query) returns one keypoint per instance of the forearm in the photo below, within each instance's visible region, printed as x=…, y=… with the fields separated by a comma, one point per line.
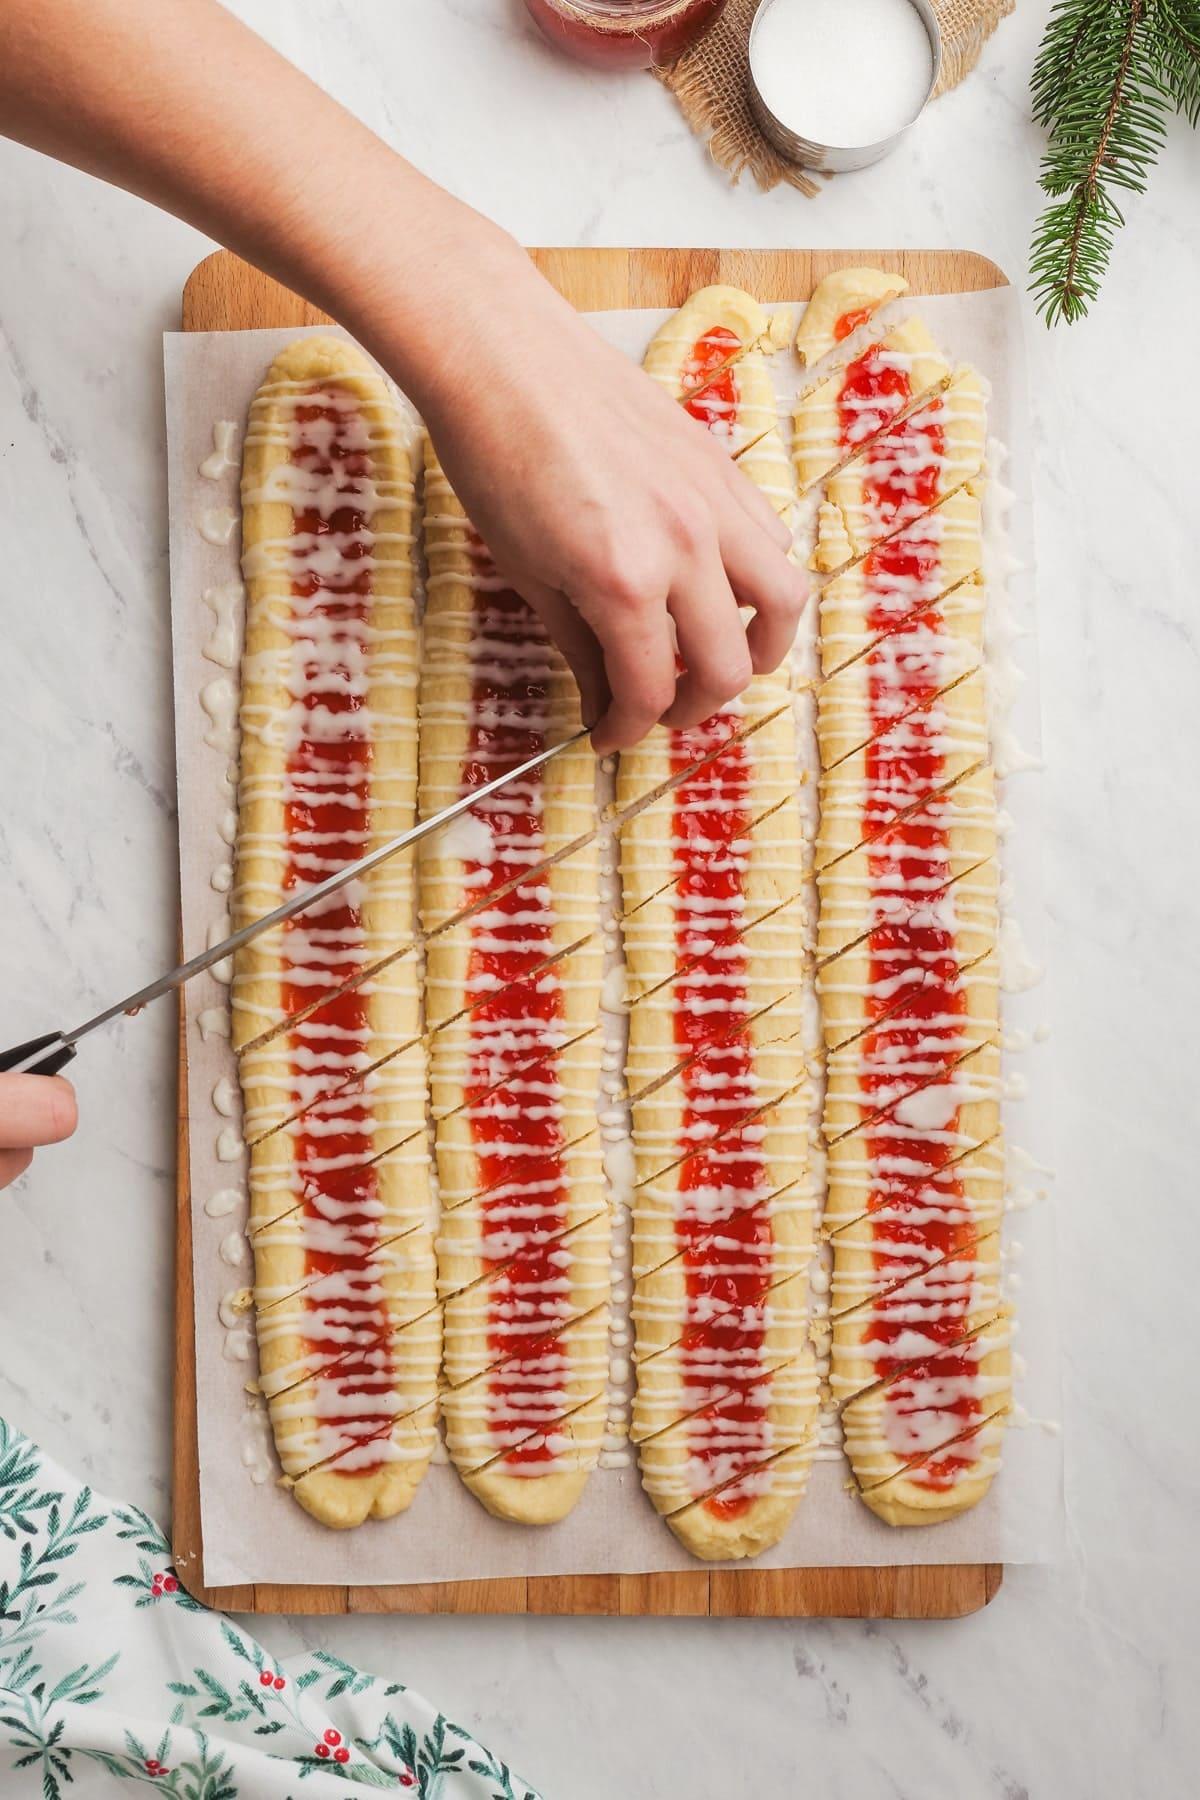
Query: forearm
x=256, y=155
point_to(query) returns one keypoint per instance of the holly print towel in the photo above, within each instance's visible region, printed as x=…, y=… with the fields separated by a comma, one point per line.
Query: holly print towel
x=110, y=1671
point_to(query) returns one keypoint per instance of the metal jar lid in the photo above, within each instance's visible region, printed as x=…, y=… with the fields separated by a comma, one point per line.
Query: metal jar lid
x=837, y=158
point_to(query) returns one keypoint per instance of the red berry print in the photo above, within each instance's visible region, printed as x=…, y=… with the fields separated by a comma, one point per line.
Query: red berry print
x=408, y=1779
x=279, y=1683
x=156, y=1587
x=155, y=1768
x=341, y=1754
x=265, y=1679
x=332, y=1736
x=170, y=1584
x=321, y=1749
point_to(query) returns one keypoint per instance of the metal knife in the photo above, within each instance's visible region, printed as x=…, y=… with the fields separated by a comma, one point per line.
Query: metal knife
x=48, y=1054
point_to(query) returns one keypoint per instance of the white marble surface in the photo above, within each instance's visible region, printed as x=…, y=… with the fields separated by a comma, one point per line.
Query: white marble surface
x=1078, y=1680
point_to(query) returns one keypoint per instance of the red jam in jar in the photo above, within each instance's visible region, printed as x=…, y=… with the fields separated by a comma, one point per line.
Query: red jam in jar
x=624, y=34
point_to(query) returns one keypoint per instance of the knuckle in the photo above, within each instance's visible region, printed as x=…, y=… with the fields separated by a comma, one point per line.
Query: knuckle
x=655, y=693
x=688, y=522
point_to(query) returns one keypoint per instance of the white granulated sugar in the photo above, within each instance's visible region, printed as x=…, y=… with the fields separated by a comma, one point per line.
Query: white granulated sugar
x=843, y=72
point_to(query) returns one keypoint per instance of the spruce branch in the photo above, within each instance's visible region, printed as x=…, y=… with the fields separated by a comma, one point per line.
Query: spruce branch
x=1108, y=76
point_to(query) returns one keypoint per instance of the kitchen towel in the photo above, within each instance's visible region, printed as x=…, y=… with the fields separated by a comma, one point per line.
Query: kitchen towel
x=109, y=1668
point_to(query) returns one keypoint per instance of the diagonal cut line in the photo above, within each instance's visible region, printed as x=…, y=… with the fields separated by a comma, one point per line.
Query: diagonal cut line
x=617, y=815
x=495, y=1270
x=419, y=940
x=501, y=1362
x=366, y=1264
x=372, y=1437
x=906, y=812
x=918, y=1462
x=925, y=704
x=851, y=562
x=389, y=1334
x=869, y=443
x=883, y=1382
x=727, y=1037
x=831, y=1237
x=677, y=1256
x=714, y=1143
x=882, y=1112
x=899, y=624
x=553, y=1425
x=939, y=893
x=893, y=1289
x=807, y=1442
x=927, y=981
x=426, y=1038
x=768, y=1372
x=751, y=828
x=613, y=815
x=692, y=962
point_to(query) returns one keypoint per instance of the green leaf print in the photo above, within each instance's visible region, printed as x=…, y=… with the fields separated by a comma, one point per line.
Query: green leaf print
x=85, y=1683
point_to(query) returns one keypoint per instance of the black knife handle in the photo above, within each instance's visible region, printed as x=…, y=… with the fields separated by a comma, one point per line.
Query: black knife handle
x=26, y=1058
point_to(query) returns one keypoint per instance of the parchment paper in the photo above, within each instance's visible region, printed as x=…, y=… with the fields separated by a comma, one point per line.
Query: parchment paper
x=252, y=1529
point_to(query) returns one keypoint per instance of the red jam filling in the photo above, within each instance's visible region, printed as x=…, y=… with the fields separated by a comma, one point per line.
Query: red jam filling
x=512, y=1080
x=850, y=321
x=327, y=823
x=723, y=1230
x=709, y=385
x=899, y=776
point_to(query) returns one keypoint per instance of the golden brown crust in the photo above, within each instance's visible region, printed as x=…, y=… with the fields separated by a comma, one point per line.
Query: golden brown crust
x=690, y=1419
x=351, y=1402
x=907, y=959
x=848, y=294
x=512, y=997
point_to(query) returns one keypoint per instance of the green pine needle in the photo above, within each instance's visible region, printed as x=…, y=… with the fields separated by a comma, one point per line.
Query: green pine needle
x=1108, y=76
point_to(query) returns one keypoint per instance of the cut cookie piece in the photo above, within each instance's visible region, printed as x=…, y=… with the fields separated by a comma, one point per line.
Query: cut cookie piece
x=840, y=304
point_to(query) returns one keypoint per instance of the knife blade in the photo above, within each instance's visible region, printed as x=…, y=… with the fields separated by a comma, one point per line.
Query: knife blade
x=47, y=1054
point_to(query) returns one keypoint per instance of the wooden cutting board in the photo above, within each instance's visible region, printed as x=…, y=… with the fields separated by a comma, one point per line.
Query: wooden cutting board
x=226, y=294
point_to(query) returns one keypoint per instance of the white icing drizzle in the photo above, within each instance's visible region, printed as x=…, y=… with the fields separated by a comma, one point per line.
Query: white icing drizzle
x=219, y=700
x=223, y=456
x=220, y=1204
x=227, y=603
x=217, y=524
x=213, y=1022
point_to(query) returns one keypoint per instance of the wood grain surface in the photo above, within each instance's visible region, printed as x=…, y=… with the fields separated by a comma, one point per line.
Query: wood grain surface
x=226, y=294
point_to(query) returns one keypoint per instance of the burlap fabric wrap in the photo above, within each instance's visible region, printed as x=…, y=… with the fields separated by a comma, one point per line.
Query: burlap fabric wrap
x=709, y=82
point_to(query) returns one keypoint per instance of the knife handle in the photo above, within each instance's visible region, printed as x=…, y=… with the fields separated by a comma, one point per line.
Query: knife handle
x=40, y=1056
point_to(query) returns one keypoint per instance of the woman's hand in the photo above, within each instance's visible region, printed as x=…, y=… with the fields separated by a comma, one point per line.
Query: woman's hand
x=34, y=1110
x=615, y=514
x=621, y=520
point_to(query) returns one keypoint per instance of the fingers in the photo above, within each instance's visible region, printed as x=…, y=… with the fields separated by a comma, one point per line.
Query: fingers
x=639, y=663
x=13, y=1164
x=712, y=644
x=764, y=579
x=35, y=1109
x=577, y=641
x=755, y=504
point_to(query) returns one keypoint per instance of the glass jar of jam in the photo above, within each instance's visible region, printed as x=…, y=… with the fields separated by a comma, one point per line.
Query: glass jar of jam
x=624, y=34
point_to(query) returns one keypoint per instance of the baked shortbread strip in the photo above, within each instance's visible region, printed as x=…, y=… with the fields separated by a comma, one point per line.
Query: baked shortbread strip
x=716, y=933
x=907, y=966
x=344, y=1270
x=834, y=419
x=840, y=304
x=513, y=999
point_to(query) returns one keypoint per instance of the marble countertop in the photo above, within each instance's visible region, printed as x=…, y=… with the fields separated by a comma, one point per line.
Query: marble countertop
x=1076, y=1680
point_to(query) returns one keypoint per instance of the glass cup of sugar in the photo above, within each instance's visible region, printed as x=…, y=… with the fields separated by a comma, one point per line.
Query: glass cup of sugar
x=835, y=84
